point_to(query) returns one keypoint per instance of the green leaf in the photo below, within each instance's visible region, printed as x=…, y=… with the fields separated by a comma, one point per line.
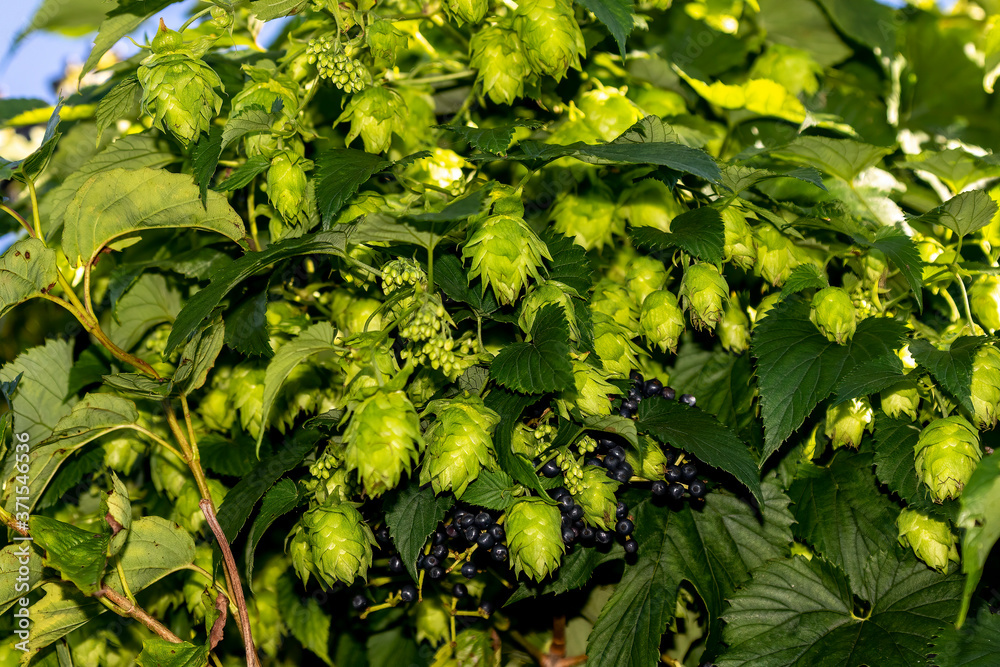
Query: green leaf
x=542, y=365
x=840, y=512
x=280, y=499
x=120, y=102
x=121, y=21
x=980, y=517
x=895, y=440
x=450, y=276
x=492, y=490
x=622, y=427
x=42, y=397
x=79, y=555
x=798, y=367
x=713, y=549
x=871, y=378
x=509, y=405
x=955, y=167
x=951, y=368
x=267, y=10
x=252, y=119
x=699, y=232
x=738, y=178
x=494, y=140
x=114, y=204
x=570, y=264
x=33, y=165
x=843, y=158
x=199, y=358
x=12, y=107
x=412, y=515
x=246, y=172
x=804, y=277
x=149, y=302
x=200, y=306
x=317, y=339
x=616, y=15
x=138, y=385
x=975, y=645
x=118, y=515
x=12, y=558
x=305, y=618
x=339, y=174
x=248, y=331
x=161, y=653
x=393, y=647
x=801, y=612
x=81, y=461
x=27, y=270
x=865, y=21
x=964, y=213
x=902, y=251
x=205, y=158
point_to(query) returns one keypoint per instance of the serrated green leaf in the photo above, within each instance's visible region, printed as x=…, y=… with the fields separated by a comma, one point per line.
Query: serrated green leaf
x=737, y=178
x=616, y=15
x=79, y=555
x=804, y=277
x=620, y=426
x=305, y=618
x=120, y=102
x=980, y=517
x=251, y=119
x=870, y=378
x=339, y=174
x=541, y=366
x=138, y=385
x=246, y=172
x=509, y=405
x=699, y=232
x=956, y=167
x=843, y=158
x=149, y=302
x=114, y=204
x=248, y=332
x=161, y=653
x=412, y=515
x=83, y=461
x=570, y=264
x=976, y=645
x=205, y=158
x=267, y=10
x=902, y=251
x=964, y=213
x=11, y=561
x=492, y=490
x=119, y=511
x=952, y=368
x=27, y=270
x=198, y=358
x=494, y=140
x=894, y=459
x=42, y=397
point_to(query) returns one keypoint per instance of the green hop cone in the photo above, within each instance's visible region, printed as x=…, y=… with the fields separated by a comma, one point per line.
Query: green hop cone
x=589, y=218
x=340, y=543
x=650, y=204
x=286, y=184
x=178, y=91
x=645, y=275
x=648, y=460
x=986, y=386
x=500, y=62
x=551, y=292
x=613, y=344
x=615, y=301
x=301, y=554
x=221, y=19
x=705, y=292
x=459, y=443
x=847, y=422
x=931, y=539
x=609, y=113
x=382, y=439
x=551, y=36
x=597, y=497
x=661, y=321
x=468, y=11
x=505, y=252
x=775, y=255
x=375, y=114
x=590, y=390
x=534, y=538
x=739, y=247
x=984, y=298
x=946, y=456
x=834, y=314
x=385, y=41
x=902, y=398
x=734, y=328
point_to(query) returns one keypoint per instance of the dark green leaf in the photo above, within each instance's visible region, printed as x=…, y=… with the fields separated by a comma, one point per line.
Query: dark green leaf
x=252, y=119
x=138, y=385
x=894, y=459
x=199, y=358
x=980, y=517
x=79, y=555
x=305, y=618
x=494, y=140
x=570, y=264
x=952, y=368
x=492, y=490
x=543, y=365
x=902, y=251
x=616, y=15
x=71, y=473
x=27, y=270
x=339, y=174
x=122, y=101
x=243, y=174
x=963, y=213
x=866, y=21
x=509, y=405
x=267, y=10
x=699, y=232
x=450, y=276
x=42, y=397
x=977, y=644
x=205, y=158
x=804, y=277
x=843, y=158
x=870, y=378
x=412, y=515
x=11, y=107
x=247, y=332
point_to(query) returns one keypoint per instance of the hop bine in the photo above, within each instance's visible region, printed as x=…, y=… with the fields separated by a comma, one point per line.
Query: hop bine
x=946, y=456
x=534, y=538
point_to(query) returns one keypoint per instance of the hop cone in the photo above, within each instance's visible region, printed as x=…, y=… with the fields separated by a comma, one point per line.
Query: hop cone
x=661, y=320
x=597, y=497
x=551, y=292
x=286, y=184
x=931, y=539
x=847, y=422
x=984, y=298
x=775, y=256
x=645, y=275
x=614, y=346
x=505, y=252
x=765, y=305
x=178, y=92
x=648, y=461
x=340, y=543
x=534, y=538
x=589, y=218
x=616, y=302
x=468, y=11
x=739, y=245
x=301, y=555
x=986, y=386
x=650, y=204
x=382, y=440
x=946, y=456
x=900, y=399
x=551, y=36
x=704, y=291
x=459, y=443
x=734, y=328
x=499, y=59
x=266, y=89
x=385, y=41
x=590, y=390
x=834, y=314
x=375, y=114
x=609, y=113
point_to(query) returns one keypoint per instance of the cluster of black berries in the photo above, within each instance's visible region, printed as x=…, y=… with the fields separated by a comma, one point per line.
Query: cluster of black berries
x=612, y=460
x=642, y=388
x=481, y=529
x=575, y=530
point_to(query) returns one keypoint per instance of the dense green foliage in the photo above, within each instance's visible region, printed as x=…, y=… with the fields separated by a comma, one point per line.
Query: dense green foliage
x=507, y=333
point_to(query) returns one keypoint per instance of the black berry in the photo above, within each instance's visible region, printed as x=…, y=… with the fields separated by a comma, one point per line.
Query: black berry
x=689, y=471
x=483, y=520
x=659, y=488
x=688, y=399
x=408, y=593
x=636, y=377
x=697, y=489
x=396, y=564
x=551, y=469
x=466, y=520
x=469, y=571
x=500, y=553
x=440, y=551
x=618, y=451
x=602, y=537
x=430, y=561
x=359, y=602
x=631, y=546
x=624, y=527
x=623, y=474
x=625, y=412
x=626, y=469
x=436, y=572
x=497, y=531
x=486, y=541
x=382, y=536
x=471, y=533
x=487, y=607
x=575, y=513
x=673, y=474
x=668, y=393
x=632, y=404
x=675, y=491
x=621, y=510
x=652, y=387
x=459, y=590
x=568, y=536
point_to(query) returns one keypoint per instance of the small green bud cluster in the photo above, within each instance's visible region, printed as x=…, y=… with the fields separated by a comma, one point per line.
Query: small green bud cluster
x=348, y=74
x=400, y=273
x=572, y=471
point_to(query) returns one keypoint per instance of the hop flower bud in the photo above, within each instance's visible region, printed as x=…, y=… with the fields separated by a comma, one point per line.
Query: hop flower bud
x=775, y=255
x=734, y=328
x=221, y=19
x=382, y=440
x=375, y=114
x=704, y=291
x=847, y=422
x=590, y=390
x=178, y=92
x=551, y=292
x=931, y=539
x=589, y=218
x=661, y=321
x=946, y=456
x=650, y=204
x=611, y=299
x=986, y=386
x=609, y=113
x=459, y=443
x=498, y=57
x=551, y=36
x=166, y=40
x=504, y=252
x=739, y=247
x=385, y=41
x=984, y=298
x=468, y=11
x=645, y=275
x=596, y=495
x=340, y=543
x=901, y=398
x=286, y=184
x=614, y=346
x=834, y=315
x=534, y=538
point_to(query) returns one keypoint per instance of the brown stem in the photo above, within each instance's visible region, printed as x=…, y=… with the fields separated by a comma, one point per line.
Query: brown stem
x=233, y=577
x=11, y=522
x=558, y=647
x=132, y=610
x=190, y=453
x=535, y=652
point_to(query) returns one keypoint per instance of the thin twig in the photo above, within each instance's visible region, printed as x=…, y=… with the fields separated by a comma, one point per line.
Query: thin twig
x=127, y=608
x=17, y=216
